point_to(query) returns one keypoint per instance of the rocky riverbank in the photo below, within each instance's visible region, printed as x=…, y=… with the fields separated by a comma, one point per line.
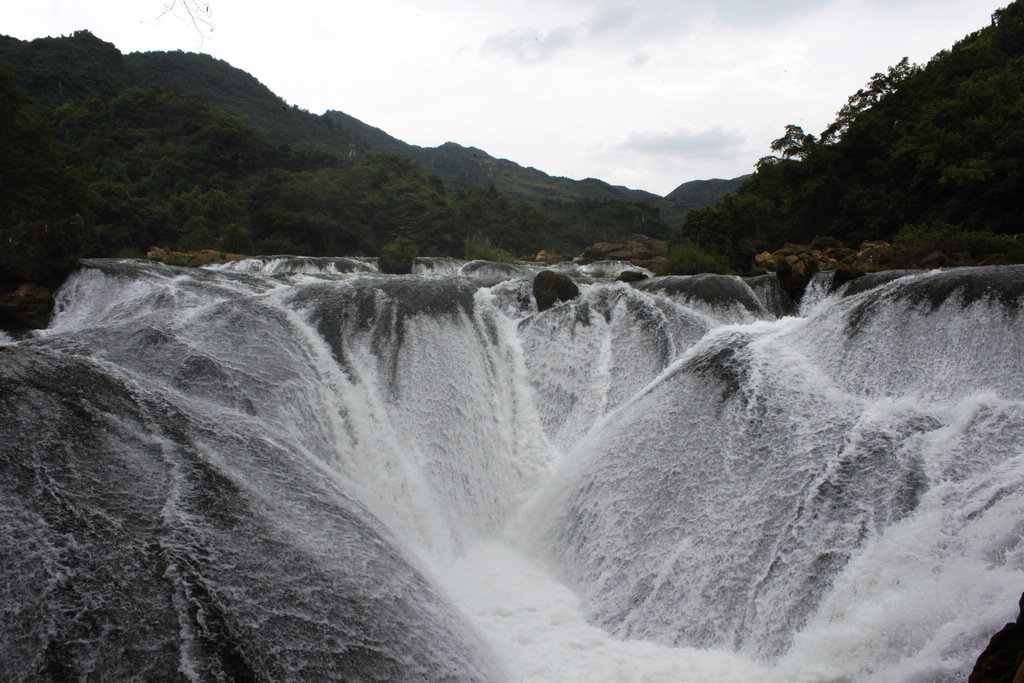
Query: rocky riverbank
x=796, y=264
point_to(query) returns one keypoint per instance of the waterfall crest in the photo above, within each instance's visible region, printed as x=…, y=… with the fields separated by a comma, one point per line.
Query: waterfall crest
x=303, y=468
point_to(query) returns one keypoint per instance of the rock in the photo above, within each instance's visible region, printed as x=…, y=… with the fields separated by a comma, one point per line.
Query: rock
x=1003, y=659
x=544, y=257
x=639, y=250
x=192, y=259
x=550, y=287
x=877, y=254
x=935, y=259
x=795, y=270
x=158, y=254
x=823, y=243
x=843, y=274
x=994, y=260
x=27, y=308
x=631, y=276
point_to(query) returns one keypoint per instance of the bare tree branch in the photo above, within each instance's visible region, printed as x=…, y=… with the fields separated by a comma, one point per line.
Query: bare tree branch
x=197, y=11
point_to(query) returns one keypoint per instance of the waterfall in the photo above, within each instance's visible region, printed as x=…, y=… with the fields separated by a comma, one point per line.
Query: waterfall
x=291, y=468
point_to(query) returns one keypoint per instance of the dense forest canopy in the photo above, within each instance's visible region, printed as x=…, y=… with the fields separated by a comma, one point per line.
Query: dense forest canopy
x=933, y=152
x=183, y=151
x=162, y=164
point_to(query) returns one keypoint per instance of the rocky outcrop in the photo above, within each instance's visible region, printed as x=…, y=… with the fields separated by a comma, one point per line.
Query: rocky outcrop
x=796, y=264
x=196, y=258
x=1003, y=659
x=550, y=287
x=640, y=250
x=794, y=267
x=35, y=259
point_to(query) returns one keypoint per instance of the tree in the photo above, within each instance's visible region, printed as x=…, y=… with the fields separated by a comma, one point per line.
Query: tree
x=397, y=255
x=34, y=181
x=795, y=144
x=880, y=86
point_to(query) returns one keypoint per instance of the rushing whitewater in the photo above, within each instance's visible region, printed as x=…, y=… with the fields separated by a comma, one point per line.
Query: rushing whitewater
x=303, y=469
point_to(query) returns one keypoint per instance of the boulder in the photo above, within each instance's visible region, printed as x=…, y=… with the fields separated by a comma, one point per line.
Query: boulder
x=825, y=242
x=877, y=254
x=794, y=270
x=843, y=274
x=631, y=276
x=544, y=257
x=550, y=287
x=1003, y=659
x=640, y=250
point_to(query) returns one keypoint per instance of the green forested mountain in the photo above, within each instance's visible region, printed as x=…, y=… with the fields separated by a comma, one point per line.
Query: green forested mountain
x=697, y=194
x=237, y=93
x=183, y=151
x=922, y=153
x=58, y=70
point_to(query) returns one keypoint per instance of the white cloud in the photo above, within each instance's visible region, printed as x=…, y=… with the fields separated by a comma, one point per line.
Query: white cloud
x=639, y=59
x=644, y=93
x=529, y=46
x=711, y=143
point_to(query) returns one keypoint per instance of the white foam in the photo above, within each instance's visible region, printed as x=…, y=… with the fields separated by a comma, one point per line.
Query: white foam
x=538, y=631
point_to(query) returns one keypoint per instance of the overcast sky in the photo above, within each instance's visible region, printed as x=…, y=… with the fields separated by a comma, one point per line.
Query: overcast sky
x=646, y=93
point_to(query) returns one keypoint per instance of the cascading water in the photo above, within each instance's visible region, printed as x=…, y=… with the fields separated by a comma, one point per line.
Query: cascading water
x=304, y=469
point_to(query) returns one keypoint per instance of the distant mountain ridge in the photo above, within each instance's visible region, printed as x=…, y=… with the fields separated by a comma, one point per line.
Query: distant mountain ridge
x=698, y=194
x=240, y=94
x=88, y=64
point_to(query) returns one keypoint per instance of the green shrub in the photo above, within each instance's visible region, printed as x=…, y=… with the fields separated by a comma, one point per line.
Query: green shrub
x=953, y=239
x=477, y=247
x=397, y=255
x=687, y=258
x=129, y=253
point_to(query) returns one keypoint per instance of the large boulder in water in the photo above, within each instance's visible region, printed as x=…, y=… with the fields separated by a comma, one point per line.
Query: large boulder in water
x=550, y=287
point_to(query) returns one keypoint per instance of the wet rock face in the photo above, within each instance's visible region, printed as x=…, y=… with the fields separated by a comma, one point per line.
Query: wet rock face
x=550, y=287
x=1003, y=659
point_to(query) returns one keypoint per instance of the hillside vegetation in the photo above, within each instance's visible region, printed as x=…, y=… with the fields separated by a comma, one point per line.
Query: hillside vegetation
x=931, y=157
x=183, y=151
